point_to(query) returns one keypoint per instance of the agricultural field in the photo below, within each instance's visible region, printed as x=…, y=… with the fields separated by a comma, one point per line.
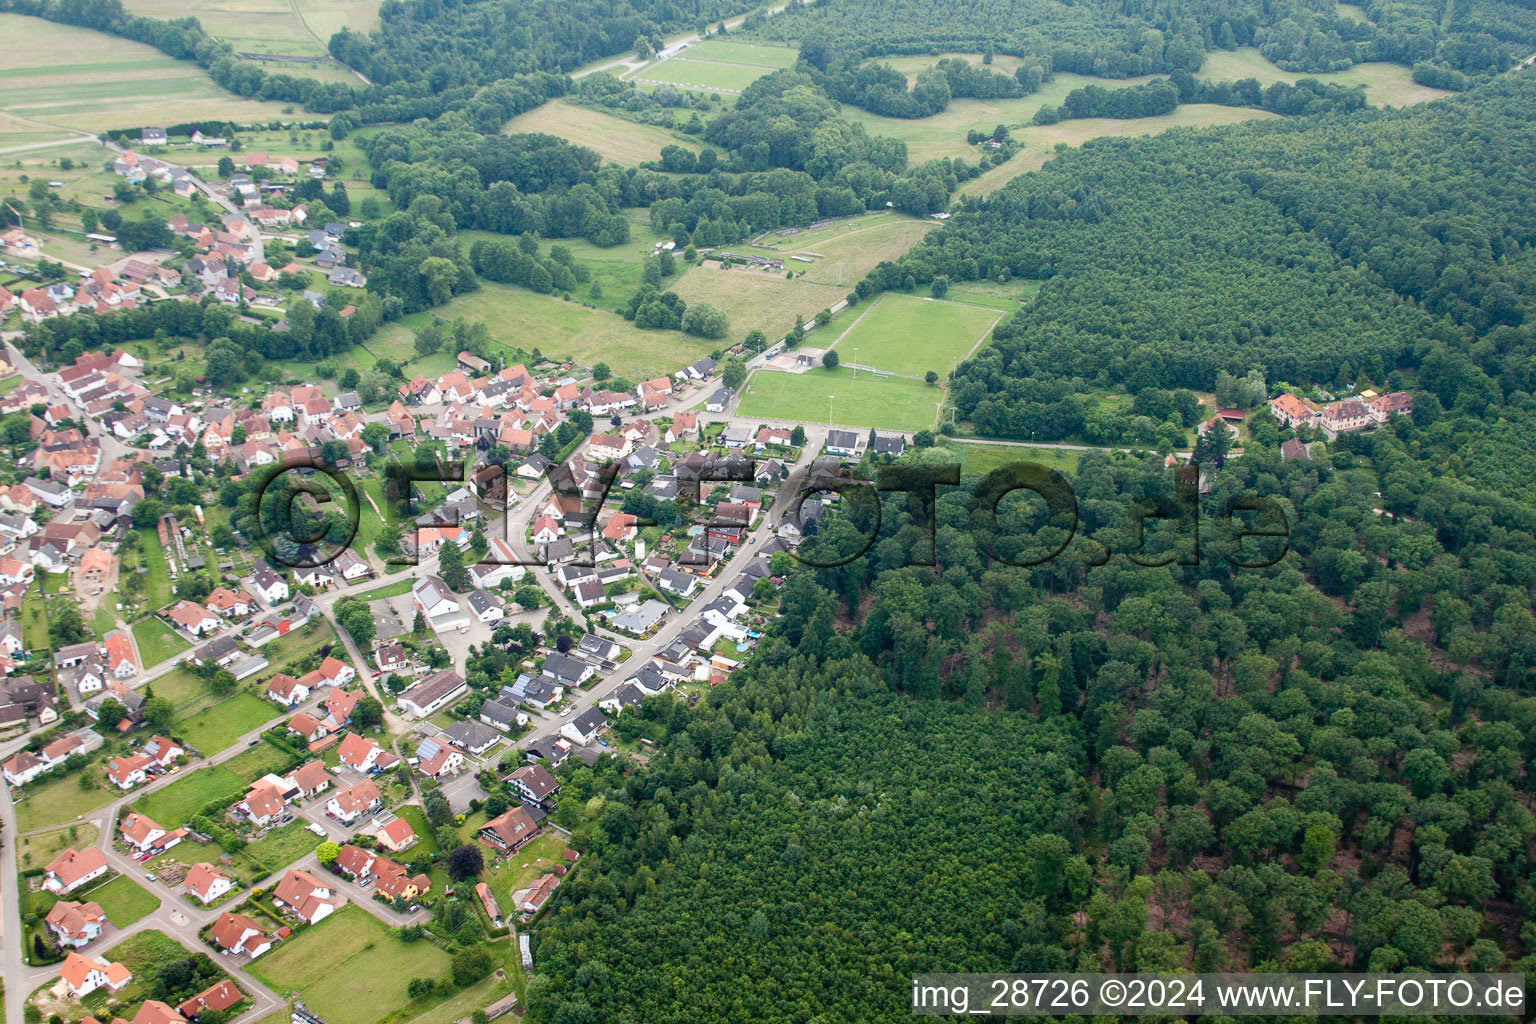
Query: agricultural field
x=63, y=78
x=348, y=968
x=889, y=403
x=214, y=728
x=613, y=138
x=523, y=319
x=250, y=26
x=848, y=249
x=287, y=28
x=1386, y=85
x=911, y=335
x=755, y=299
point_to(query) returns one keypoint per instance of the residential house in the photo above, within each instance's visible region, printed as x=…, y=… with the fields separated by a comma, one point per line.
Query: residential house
x=309, y=898
x=193, y=618
x=216, y=998
x=437, y=760
x=73, y=868
x=534, y=782
x=310, y=779
x=207, y=882
x=287, y=691
x=510, y=831
x=238, y=935
x=396, y=836
x=81, y=975
x=74, y=924
x=584, y=728
x=359, y=752
x=354, y=801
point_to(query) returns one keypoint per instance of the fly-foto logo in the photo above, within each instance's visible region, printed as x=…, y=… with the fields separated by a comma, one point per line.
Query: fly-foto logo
x=308, y=513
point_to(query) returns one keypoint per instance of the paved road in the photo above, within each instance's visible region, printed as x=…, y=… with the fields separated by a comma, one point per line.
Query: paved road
x=73, y=140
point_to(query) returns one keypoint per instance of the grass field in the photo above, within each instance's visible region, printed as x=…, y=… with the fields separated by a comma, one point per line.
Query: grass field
x=718, y=65
x=703, y=75
x=124, y=900
x=157, y=641
x=388, y=590
x=849, y=248
x=283, y=846
x=211, y=729
x=730, y=51
x=349, y=968
x=911, y=335
x=984, y=458
x=285, y=27
x=615, y=139
x=524, y=319
x=41, y=847
x=756, y=299
x=174, y=804
x=895, y=403
x=59, y=801
x=1386, y=85
x=1040, y=141
x=69, y=77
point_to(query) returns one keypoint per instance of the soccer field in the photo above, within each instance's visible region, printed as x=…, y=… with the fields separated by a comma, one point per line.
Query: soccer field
x=912, y=335
x=889, y=403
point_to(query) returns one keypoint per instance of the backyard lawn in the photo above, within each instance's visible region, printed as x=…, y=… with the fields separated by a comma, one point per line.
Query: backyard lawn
x=213, y=728
x=124, y=900
x=156, y=641
x=281, y=847
x=226, y=782
x=41, y=847
x=890, y=403
x=348, y=968
x=60, y=801
x=415, y=817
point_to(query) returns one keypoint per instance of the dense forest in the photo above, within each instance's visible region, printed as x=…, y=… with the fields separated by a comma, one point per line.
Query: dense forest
x=1093, y=765
x=1320, y=762
x=1375, y=242
x=1119, y=40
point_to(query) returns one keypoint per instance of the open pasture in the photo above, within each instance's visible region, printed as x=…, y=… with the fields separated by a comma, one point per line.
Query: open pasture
x=613, y=138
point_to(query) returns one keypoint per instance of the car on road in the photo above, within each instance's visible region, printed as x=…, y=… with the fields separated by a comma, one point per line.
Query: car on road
x=565, y=712
x=151, y=876
x=254, y=741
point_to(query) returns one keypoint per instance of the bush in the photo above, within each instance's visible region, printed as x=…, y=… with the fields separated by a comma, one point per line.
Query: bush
x=472, y=964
